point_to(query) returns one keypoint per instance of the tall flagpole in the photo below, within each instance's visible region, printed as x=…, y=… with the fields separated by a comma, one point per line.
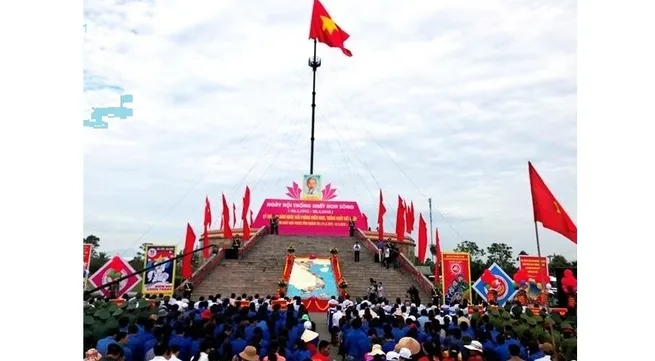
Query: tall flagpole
x=431, y=229
x=314, y=62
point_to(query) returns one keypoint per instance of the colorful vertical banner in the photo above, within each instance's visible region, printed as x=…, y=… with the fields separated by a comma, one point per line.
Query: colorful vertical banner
x=502, y=283
x=86, y=259
x=456, y=268
x=533, y=267
x=161, y=278
x=113, y=270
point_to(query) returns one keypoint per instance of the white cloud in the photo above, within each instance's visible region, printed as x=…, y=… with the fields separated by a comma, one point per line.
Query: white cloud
x=460, y=94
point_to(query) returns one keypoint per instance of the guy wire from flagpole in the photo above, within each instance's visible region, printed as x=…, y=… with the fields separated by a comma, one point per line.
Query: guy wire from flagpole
x=431, y=229
x=313, y=62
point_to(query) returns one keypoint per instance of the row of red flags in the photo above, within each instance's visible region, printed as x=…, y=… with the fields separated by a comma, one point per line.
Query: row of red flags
x=547, y=210
x=225, y=226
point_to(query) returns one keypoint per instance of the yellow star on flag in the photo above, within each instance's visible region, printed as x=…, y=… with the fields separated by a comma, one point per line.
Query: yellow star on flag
x=328, y=24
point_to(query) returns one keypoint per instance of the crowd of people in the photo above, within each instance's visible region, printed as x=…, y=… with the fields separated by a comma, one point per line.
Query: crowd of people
x=254, y=328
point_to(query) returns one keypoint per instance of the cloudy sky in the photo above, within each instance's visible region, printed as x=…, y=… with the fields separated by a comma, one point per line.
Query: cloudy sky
x=444, y=99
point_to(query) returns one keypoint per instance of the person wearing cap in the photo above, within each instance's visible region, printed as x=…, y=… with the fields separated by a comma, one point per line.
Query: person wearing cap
x=404, y=354
x=323, y=353
x=547, y=349
x=248, y=354
x=475, y=351
x=376, y=354
x=393, y=356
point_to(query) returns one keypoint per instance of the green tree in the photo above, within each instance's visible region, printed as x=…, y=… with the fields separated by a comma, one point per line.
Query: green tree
x=138, y=261
x=558, y=261
x=95, y=242
x=477, y=263
x=503, y=255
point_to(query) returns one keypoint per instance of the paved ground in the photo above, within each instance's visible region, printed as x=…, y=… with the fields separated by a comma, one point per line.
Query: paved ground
x=320, y=318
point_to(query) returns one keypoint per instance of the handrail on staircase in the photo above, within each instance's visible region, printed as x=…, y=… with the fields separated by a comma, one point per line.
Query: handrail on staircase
x=423, y=281
x=203, y=271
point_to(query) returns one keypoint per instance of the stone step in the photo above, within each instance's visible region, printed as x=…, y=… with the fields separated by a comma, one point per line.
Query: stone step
x=261, y=268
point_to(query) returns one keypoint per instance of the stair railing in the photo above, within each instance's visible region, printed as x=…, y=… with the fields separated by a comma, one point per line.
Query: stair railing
x=423, y=281
x=203, y=271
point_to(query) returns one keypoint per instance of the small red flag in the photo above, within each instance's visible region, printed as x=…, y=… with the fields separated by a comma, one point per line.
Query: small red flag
x=244, y=214
x=206, y=223
x=227, y=230
x=246, y=204
x=251, y=221
x=400, y=221
x=437, y=257
x=548, y=210
x=324, y=29
x=412, y=216
x=422, y=238
x=365, y=221
x=188, y=248
x=381, y=211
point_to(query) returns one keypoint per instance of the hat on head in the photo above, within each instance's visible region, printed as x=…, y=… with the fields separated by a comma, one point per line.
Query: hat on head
x=545, y=347
x=409, y=343
x=308, y=336
x=463, y=319
x=474, y=346
x=249, y=354
x=392, y=356
x=405, y=353
x=376, y=350
x=305, y=317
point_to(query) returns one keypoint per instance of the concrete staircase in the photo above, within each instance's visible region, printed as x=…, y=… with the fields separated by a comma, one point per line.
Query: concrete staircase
x=260, y=269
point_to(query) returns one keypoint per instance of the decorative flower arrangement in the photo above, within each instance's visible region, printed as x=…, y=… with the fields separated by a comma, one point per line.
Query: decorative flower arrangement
x=334, y=250
x=343, y=284
x=291, y=249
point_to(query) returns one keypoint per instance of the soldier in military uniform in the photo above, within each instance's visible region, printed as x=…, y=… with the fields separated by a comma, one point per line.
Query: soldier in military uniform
x=236, y=245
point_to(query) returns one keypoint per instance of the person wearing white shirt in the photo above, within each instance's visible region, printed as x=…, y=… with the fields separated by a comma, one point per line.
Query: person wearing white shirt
x=356, y=248
x=203, y=353
x=174, y=350
x=161, y=352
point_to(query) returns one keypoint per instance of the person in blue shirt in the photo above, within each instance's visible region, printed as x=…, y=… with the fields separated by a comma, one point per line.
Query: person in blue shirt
x=103, y=343
x=357, y=344
x=135, y=343
x=180, y=340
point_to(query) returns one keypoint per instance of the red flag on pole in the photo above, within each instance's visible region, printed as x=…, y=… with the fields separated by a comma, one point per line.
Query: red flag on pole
x=548, y=210
x=412, y=217
x=365, y=221
x=244, y=214
x=422, y=238
x=400, y=221
x=206, y=223
x=381, y=211
x=437, y=257
x=227, y=230
x=324, y=29
x=187, y=270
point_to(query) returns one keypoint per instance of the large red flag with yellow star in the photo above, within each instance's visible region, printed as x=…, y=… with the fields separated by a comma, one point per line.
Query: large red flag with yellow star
x=547, y=209
x=324, y=30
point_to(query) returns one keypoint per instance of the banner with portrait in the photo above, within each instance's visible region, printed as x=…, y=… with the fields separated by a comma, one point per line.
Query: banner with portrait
x=312, y=188
x=456, y=281
x=159, y=280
